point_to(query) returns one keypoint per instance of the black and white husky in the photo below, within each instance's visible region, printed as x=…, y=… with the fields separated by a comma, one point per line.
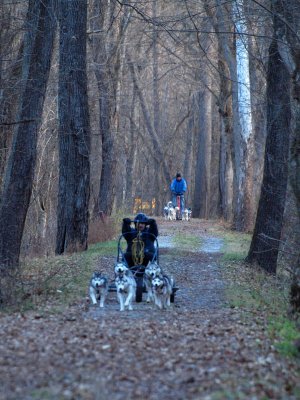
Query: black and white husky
x=121, y=269
x=162, y=287
x=186, y=215
x=126, y=289
x=98, y=288
x=125, y=285
x=169, y=212
x=151, y=271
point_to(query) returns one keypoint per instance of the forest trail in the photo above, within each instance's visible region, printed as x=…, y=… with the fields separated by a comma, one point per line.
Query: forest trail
x=199, y=349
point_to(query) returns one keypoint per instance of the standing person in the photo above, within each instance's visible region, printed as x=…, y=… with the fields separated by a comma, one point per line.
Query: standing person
x=146, y=229
x=178, y=188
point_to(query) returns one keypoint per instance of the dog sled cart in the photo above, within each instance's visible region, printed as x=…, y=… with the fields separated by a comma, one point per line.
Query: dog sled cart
x=138, y=269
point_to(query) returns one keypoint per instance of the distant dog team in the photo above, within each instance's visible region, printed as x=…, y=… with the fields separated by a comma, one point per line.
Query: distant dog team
x=170, y=212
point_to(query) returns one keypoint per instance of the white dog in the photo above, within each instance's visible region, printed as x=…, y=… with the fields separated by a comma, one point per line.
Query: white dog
x=121, y=269
x=169, y=212
x=175, y=212
x=126, y=289
x=151, y=271
x=98, y=288
x=166, y=212
x=186, y=215
x=162, y=287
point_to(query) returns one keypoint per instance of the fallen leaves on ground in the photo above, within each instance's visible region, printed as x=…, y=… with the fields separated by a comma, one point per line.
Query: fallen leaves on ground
x=198, y=349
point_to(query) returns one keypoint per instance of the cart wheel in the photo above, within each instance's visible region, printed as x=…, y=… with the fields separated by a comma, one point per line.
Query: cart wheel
x=139, y=289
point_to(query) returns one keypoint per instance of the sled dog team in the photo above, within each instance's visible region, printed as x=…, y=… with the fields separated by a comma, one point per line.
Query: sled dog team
x=159, y=286
x=170, y=212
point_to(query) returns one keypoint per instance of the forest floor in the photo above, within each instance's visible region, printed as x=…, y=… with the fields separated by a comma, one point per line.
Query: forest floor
x=204, y=347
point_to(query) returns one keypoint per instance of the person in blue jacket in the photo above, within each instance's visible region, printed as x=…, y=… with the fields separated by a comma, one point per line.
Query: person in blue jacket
x=178, y=188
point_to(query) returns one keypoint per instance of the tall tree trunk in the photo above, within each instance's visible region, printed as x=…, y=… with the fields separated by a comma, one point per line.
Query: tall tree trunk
x=109, y=29
x=266, y=237
x=74, y=130
x=8, y=108
x=17, y=186
x=258, y=111
x=108, y=168
x=156, y=105
x=188, y=161
x=227, y=49
x=131, y=151
x=295, y=181
x=203, y=162
x=226, y=162
x=228, y=108
x=291, y=54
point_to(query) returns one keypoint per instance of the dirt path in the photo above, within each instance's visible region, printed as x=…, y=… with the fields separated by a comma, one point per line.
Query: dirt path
x=199, y=349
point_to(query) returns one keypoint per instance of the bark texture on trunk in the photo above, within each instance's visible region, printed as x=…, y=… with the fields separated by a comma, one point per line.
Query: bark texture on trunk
x=266, y=238
x=18, y=180
x=203, y=164
x=74, y=130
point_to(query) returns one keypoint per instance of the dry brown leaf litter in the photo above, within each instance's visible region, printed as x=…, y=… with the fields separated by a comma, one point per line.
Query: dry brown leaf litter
x=199, y=349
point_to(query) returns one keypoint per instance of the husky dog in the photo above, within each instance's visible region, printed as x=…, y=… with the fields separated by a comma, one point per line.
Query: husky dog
x=166, y=212
x=151, y=271
x=186, y=215
x=121, y=269
x=169, y=212
x=175, y=212
x=126, y=288
x=98, y=288
x=162, y=287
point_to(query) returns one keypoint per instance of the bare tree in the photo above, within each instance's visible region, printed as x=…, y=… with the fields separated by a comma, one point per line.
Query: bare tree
x=19, y=175
x=291, y=54
x=11, y=52
x=108, y=29
x=74, y=130
x=266, y=237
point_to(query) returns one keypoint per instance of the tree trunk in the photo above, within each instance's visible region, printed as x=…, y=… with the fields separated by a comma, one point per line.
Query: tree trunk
x=108, y=169
x=74, y=130
x=156, y=105
x=109, y=33
x=203, y=162
x=188, y=161
x=258, y=111
x=226, y=162
x=291, y=54
x=131, y=151
x=266, y=237
x=227, y=50
x=8, y=109
x=295, y=181
x=19, y=175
